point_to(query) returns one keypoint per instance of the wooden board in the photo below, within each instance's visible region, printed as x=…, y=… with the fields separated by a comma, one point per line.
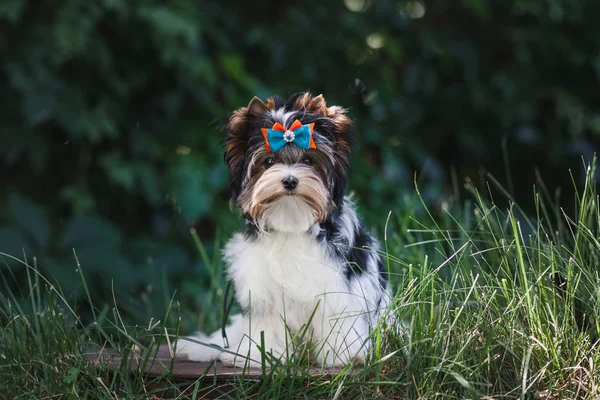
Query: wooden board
x=183, y=369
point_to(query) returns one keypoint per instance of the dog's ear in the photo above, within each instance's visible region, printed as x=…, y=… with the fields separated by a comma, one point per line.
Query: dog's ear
x=343, y=129
x=317, y=105
x=236, y=142
x=239, y=128
x=342, y=125
x=256, y=107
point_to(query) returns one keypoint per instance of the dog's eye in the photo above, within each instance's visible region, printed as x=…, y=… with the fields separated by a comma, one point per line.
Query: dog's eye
x=307, y=161
x=269, y=162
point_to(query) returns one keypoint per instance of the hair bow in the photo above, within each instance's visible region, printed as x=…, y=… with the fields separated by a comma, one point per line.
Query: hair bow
x=278, y=136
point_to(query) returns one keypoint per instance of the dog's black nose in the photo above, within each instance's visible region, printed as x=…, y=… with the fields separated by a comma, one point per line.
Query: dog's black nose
x=290, y=182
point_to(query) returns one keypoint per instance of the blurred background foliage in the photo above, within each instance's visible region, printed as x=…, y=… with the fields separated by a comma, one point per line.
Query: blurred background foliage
x=109, y=125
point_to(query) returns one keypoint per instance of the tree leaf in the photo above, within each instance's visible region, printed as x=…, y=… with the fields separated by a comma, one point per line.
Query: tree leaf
x=29, y=218
x=89, y=229
x=12, y=9
x=12, y=242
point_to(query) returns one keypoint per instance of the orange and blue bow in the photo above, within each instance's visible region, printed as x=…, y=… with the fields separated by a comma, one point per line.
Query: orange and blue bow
x=300, y=135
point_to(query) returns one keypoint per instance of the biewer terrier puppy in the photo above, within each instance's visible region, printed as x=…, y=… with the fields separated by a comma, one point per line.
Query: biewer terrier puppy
x=304, y=261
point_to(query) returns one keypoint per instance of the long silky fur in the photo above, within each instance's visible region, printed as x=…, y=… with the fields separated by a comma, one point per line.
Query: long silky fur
x=303, y=252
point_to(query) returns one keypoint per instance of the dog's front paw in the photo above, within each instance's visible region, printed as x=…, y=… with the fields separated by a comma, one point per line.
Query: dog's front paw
x=197, y=349
x=238, y=360
x=244, y=358
x=249, y=357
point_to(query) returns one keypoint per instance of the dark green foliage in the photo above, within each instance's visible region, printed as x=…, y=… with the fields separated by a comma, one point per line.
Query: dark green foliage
x=109, y=139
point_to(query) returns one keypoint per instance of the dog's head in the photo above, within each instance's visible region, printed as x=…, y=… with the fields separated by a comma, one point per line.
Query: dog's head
x=288, y=175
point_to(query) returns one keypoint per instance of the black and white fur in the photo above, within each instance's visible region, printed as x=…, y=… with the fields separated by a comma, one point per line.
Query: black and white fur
x=303, y=249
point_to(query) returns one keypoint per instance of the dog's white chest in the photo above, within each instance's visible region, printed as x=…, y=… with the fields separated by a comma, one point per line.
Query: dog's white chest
x=281, y=268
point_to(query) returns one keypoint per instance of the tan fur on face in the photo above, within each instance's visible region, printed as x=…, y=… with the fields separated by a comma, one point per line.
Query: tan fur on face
x=269, y=189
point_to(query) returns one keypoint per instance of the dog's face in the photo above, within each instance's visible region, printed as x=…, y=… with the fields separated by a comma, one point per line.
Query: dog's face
x=292, y=188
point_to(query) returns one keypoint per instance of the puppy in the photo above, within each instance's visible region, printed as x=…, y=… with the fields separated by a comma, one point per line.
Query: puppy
x=304, y=261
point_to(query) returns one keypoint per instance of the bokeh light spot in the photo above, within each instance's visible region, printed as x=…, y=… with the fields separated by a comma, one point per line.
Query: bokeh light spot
x=355, y=5
x=412, y=9
x=183, y=150
x=375, y=40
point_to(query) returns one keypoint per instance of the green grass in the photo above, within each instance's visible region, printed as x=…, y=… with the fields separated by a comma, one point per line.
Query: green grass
x=498, y=304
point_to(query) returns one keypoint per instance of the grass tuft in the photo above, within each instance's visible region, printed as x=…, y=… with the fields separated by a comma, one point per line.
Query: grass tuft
x=496, y=302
